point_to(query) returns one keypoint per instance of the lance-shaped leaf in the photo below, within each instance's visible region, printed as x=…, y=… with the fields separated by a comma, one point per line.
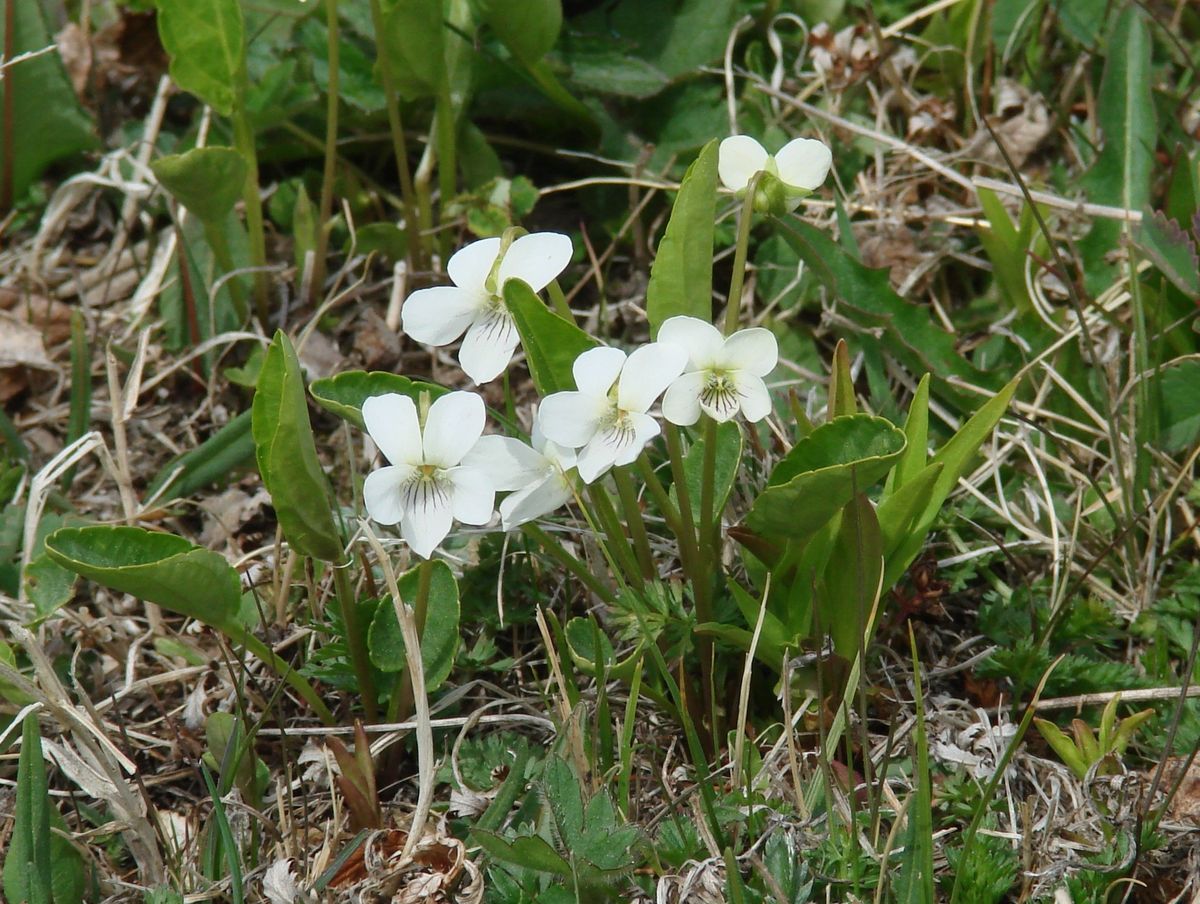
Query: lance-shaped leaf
x=551, y=343
x=207, y=181
x=681, y=276
x=344, y=393
x=287, y=456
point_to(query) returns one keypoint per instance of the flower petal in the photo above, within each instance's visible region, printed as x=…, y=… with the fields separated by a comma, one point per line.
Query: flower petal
x=426, y=524
x=702, y=341
x=804, y=163
x=755, y=351
x=649, y=371
x=681, y=404
x=597, y=369
x=645, y=428
x=391, y=420
x=571, y=418
x=508, y=463
x=470, y=266
x=738, y=158
x=381, y=493
x=453, y=425
x=439, y=315
x=536, y=258
x=489, y=346
x=597, y=457
x=756, y=400
x=473, y=497
x=534, y=501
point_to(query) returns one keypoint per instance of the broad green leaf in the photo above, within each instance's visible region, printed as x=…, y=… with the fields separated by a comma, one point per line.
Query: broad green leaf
x=1125, y=110
x=912, y=336
x=47, y=121
x=387, y=240
x=48, y=585
x=729, y=456
x=439, y=640
x=287, y=456
x=551, y=343
x=357, y=85
x=822, y=473
x=607, y=70
x=899, y=511
x=681, y=275
x=228, y=449
x=413, y=40
x=526, y=851
x=158, y=568
x=528, y=28
x=916, y=431
x=852, y=576
x=345, y=393
x=204, y=39
x=207, y=181
x=581, y=635
x=1179, y=390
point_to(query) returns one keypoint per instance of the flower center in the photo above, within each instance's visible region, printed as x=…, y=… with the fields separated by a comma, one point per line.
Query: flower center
x=427, y=488
x=618, y=428
x=719, y=395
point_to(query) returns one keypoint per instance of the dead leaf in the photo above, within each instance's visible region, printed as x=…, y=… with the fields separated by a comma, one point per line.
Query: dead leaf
x=21, y=345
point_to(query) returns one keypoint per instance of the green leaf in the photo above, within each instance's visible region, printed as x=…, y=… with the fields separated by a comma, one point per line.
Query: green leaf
x=1062, y=745
x=526, y=851
x=822, y=474
x=158, y=568
x=915, y=884
x=27, y=864
x=225, y=735
x=841, y=385
x=225, y=451
x=916, y=431
x=287, y=456
x=387, y=240
x=48, y=123
x=528, y=28
x=912, y=336
x=1179, y=390
x=1172, y=250
x=207, y=181
x=900, y=510
x=413, y=40
x=729, y=456
x=439, y=640
x=204, y=39
x=1125, y=111
x=852, y=576
x=681, y=275
x=48, y=585
x=345, y=393
x=551, y=343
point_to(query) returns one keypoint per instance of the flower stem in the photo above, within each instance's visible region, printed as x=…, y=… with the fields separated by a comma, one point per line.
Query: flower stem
x=445, y=127
x=329, y=173
x=745, y=219
x=243, y=140
x=617, y=541
x=634, y=521
x=709, y=566
x=661, y=498
x=416, y=240
x=556, y=551
x=356, y=640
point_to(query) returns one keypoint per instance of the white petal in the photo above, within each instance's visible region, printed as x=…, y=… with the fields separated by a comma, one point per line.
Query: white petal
x=536, y=259
x=738, y=159
x=596, y=458
x=439, y=315
x=804, y=163
x=391, y=419
x=489, y=346
x=597, y=369
x=649, y=371
x=645, y=428
x=453, y=425
x=381, y=493
x=756, y=400
x=561, y=457
x=702, y=341
x=535, y=501
x=571, y=418
x=470, y=266
x=508, y=463
x=681, y=404
x=755, y=351
x=473, y=496
x=426, y=525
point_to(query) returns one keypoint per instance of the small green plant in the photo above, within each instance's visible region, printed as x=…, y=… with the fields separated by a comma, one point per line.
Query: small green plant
x=1086, y=749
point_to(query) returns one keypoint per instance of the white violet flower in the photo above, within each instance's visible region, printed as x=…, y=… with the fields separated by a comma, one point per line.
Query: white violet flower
x=800, y=166
x=538, y=474
x=475, y=303
x=607, y=416
x=723, y=375
x=428, y=484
